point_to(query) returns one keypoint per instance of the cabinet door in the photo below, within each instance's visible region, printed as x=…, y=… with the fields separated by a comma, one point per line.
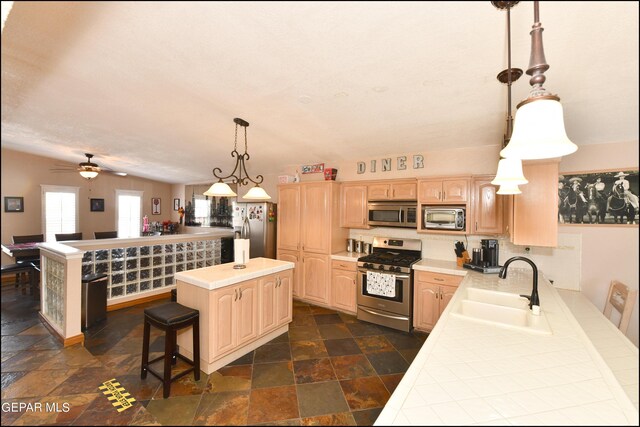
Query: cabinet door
x=430, y=191
x=296, y=279
x=224, y=325
x=455, y=191
x=247, y=312
x=426, y=308
x=535, y=211
x=354, y=206
x=404, y=191
x=316, y=274
x=284, y=313
x=316, y=217
x=289, y=217
x=487, y=208
x=267, y=287
x=446, y=293
x=378, y=191
x=343, y=290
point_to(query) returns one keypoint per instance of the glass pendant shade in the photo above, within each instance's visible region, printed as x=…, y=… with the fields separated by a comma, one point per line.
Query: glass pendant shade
x=257, y=193
x=538, y=132
x=509, y=173
x=220, y=189
x=509, y=189
x=88, y=174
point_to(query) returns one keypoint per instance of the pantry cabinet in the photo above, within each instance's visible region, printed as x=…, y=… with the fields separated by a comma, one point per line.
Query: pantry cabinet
x=432, y=293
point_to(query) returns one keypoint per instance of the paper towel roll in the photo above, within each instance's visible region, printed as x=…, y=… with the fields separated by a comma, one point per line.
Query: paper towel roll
x=241, y=251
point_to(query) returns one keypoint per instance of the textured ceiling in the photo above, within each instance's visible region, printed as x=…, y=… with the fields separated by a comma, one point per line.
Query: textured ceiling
x=151, y=88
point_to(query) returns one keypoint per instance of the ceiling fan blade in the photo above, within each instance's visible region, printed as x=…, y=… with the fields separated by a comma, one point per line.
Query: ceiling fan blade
x=61, y=170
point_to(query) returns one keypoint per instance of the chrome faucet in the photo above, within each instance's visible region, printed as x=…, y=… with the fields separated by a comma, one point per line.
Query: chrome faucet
x=534, y=300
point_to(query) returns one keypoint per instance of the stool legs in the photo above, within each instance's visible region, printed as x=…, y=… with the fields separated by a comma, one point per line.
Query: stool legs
x=196, y=350
x=145, y=350
x=169, y=349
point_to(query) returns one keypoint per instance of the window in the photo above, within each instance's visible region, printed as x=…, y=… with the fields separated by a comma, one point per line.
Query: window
x=59, y=211
x=128, y=213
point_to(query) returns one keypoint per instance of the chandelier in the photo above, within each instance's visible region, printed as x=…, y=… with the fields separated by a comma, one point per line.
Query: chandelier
x=509, y=174
x=539, y=125
x=240, y=175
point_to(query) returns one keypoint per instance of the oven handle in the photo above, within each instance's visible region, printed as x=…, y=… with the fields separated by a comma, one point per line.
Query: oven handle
x=398, y=276
x=375, y=313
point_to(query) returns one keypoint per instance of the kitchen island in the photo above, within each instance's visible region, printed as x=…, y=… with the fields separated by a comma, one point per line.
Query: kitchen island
x=478, y=372
x=240, y=309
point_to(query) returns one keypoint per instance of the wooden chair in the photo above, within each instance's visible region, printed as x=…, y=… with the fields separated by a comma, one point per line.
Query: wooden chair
x=28, y=256
x=105, y=234
x=68, y=236
x=622, y=299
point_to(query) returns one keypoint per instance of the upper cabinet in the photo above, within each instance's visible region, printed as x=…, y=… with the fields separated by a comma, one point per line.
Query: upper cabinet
x=533, y=215
x=486, y=207
x=393, y=190
x=443, y=191
x=353, y=201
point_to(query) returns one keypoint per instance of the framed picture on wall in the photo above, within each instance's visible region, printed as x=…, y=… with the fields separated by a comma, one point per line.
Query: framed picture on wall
x=176, y=204
x=13, y=204
x=606, y=197
x=97, y=205
x=155, y=205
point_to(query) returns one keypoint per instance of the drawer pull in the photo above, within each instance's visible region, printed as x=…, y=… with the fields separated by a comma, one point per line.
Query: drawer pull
x=438, y=279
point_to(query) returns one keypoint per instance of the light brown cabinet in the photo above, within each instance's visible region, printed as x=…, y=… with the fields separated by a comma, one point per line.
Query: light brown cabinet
x=432, y=293
x=533, y=215
x=235, y=310
x=353, y=198
x=319, y=233
x=443, y=191
x=343, y=285
x=394, y=190
x=275, y=300
x=486, y=207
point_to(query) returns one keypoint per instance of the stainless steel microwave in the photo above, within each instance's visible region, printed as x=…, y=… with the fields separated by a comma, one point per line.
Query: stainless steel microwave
x=393, y=214
x=443, y=217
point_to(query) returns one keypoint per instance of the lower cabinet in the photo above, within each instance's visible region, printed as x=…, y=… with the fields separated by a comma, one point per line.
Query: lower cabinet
x=432, y=293
x=316, y=270
x=296, y=280
x=275, y=300
x=235, y=319
x=343, y=285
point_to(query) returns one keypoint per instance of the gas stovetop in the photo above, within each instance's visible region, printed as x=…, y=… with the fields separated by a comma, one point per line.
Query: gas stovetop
x=393, y=255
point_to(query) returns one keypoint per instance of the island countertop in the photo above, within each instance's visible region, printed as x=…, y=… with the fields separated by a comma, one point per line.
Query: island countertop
x=469, y=372
x=221, y=275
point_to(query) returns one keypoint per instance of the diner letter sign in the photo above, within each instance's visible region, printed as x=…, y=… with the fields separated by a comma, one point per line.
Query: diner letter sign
x=386, y=164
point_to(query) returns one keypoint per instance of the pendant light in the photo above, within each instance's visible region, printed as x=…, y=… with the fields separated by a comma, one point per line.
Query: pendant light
x=509, y=174
x=222, y=189
x=539, y=125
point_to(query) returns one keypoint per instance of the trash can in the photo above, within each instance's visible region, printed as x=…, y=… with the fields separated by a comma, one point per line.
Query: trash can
x=94, y=299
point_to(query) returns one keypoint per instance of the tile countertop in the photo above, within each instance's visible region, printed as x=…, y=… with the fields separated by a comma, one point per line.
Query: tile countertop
x=470, y=373
x=221, y=275
x=347, y=256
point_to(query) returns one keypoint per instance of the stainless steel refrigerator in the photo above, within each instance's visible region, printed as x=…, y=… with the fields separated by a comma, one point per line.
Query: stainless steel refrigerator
x=262, y=226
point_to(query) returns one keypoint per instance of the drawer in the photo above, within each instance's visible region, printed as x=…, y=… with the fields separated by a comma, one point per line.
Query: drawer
x=438, y=278
x=344, y=265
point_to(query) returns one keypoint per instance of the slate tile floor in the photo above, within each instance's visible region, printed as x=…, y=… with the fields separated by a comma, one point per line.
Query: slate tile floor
x=329, y=369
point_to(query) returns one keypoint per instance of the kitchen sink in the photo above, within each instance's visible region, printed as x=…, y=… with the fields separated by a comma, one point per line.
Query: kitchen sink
x=516, y=316
x=506, y=299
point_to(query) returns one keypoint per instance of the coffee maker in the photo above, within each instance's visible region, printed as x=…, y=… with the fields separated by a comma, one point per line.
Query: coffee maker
x=489, y=252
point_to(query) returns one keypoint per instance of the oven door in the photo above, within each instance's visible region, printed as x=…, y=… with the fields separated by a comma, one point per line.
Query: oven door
x=400, y=303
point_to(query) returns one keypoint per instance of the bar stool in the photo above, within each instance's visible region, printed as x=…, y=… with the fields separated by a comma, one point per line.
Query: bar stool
x=171, y=317
x=27, y=268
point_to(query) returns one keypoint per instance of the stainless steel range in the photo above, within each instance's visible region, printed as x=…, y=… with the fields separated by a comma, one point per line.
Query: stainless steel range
x=385, y=282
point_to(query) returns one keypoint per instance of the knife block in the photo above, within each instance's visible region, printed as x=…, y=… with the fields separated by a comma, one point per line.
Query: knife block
x=465, y=258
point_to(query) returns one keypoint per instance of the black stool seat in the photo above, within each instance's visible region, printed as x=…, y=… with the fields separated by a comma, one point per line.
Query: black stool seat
x=171, y=317
x=171, y=313
x=18, y=269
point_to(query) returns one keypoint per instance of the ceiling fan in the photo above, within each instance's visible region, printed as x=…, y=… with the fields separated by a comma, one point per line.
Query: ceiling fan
x=89, y=170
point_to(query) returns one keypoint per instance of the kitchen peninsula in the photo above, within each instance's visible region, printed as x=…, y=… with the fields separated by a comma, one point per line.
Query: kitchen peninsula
x=240, y=309
x=471, y=371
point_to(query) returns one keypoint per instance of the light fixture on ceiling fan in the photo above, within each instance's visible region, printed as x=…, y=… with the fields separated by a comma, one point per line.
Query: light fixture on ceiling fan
x=222, y=189
x=89, y=170
x=538, y=131
x=509, y=175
